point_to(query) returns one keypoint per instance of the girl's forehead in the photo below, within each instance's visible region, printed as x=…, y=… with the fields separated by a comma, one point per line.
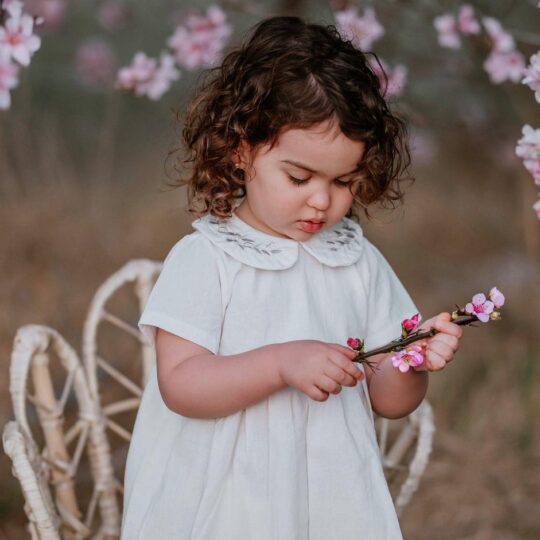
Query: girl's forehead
x=323, y=132
x=319, y=146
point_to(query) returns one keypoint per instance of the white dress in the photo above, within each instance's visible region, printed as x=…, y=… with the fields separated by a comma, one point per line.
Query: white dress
x=287, y=467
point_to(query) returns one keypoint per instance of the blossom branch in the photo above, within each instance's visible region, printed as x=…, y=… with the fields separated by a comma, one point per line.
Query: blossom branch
x=399, y=344
x=480, y=309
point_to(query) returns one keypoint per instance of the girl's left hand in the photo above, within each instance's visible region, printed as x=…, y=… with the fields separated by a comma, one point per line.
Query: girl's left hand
x=439, y=349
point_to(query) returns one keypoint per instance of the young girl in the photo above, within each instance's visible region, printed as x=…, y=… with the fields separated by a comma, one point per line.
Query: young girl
x=256, y=424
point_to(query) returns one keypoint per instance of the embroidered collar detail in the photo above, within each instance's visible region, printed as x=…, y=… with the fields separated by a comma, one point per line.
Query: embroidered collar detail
x=340, y=245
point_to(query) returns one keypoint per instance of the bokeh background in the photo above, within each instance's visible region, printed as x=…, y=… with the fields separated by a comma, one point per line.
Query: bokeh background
x=83, y=176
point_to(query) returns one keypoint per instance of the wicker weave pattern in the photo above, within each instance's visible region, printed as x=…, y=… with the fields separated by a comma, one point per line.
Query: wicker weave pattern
x=48, y=475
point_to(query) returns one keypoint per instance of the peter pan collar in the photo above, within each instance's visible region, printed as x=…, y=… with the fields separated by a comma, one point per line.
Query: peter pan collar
x=340, y=245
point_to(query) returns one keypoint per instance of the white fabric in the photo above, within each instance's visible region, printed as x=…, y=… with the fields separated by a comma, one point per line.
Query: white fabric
x=287, y=467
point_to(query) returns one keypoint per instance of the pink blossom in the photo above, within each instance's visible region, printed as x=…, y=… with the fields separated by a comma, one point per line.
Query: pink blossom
x=361, y=31
x=113, y=15
x=353, y=343
x=536, y=208
x=52, y=12
x=528, y=149
x=141, y=70
x=497, y=297
x=165, y=74
x=8, y=78
x=95, y=63
x=502, y=66
x=14, y=8
x=534, y=169
x=145, y=77
x=411, y=324
x=198, y=40
x=532, y=75
x=480, y=307
x=411, y=356
x=396, y=77
x=447, y=29
x=467, y=22
x=17, y=37
x=529, y=145
x=501, y=40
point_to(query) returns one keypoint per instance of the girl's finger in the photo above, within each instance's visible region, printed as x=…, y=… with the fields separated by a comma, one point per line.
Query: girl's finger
x=346, y=365
x=345, y=350
x=435, y=361
x=430, y=323
x=451, y=341
x=327, y=384
x=442, y=349
x=447, y=327
x=317, y=394
x=339, y=375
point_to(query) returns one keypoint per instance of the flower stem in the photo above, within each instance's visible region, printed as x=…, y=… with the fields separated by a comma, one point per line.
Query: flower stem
x=401, y=343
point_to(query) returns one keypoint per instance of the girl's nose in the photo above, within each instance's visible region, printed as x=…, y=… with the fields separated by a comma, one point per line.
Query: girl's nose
x=320, y=199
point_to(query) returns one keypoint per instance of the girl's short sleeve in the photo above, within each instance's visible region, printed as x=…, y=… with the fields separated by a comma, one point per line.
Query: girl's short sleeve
x=186, y=299
x=389, y=302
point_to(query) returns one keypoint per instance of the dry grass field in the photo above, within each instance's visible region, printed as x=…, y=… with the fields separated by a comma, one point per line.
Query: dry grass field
x=457, y=234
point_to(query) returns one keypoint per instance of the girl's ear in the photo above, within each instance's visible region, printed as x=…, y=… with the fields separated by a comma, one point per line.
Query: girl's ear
x=242, y=155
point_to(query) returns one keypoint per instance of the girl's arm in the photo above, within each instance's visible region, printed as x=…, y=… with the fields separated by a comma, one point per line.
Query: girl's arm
x=394, y=394
x=194, y=382
x=197, y=383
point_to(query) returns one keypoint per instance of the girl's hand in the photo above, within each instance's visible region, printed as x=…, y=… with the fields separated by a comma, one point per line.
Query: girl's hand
x=316, y=368
x=439, y=349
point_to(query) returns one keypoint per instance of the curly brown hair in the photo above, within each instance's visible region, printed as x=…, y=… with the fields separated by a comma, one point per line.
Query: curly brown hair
x=290, y=74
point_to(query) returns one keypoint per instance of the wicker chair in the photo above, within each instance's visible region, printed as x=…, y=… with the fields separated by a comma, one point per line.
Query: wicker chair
x=73, y=418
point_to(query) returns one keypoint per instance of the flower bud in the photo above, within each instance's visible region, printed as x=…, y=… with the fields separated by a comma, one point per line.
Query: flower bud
x=409, y=325
x=497, y=297
x=495, y=316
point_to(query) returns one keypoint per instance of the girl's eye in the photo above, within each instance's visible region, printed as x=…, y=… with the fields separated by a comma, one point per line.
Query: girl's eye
x=298, y=181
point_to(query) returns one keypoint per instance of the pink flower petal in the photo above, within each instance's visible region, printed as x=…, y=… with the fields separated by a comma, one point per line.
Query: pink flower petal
x=403, y=367
x=484, y=317
x=478, y=299
x=488, y=306
x=497, y=297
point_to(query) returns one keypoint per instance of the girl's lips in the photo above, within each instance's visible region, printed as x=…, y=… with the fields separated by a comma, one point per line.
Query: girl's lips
x=311, y=226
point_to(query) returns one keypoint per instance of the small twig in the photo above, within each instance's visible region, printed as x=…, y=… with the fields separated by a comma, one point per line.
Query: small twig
x=399, y=344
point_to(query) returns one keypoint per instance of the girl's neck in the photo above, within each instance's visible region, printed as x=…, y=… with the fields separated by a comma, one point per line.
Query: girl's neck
x=243, y=211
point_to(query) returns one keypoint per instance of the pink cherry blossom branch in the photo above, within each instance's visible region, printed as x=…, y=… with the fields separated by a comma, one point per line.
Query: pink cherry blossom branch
x=399, y=344
x=480, y=309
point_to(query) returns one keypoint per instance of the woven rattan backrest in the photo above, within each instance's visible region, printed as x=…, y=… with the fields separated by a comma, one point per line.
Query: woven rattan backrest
x=102, y=372
x=47, y=457
x=55, y=460
x=405, y=449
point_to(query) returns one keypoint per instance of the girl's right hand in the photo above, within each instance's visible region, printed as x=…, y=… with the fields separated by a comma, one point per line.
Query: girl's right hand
x=316, y=368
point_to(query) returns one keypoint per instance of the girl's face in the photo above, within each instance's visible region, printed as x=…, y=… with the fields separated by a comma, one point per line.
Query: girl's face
x=304, y=177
